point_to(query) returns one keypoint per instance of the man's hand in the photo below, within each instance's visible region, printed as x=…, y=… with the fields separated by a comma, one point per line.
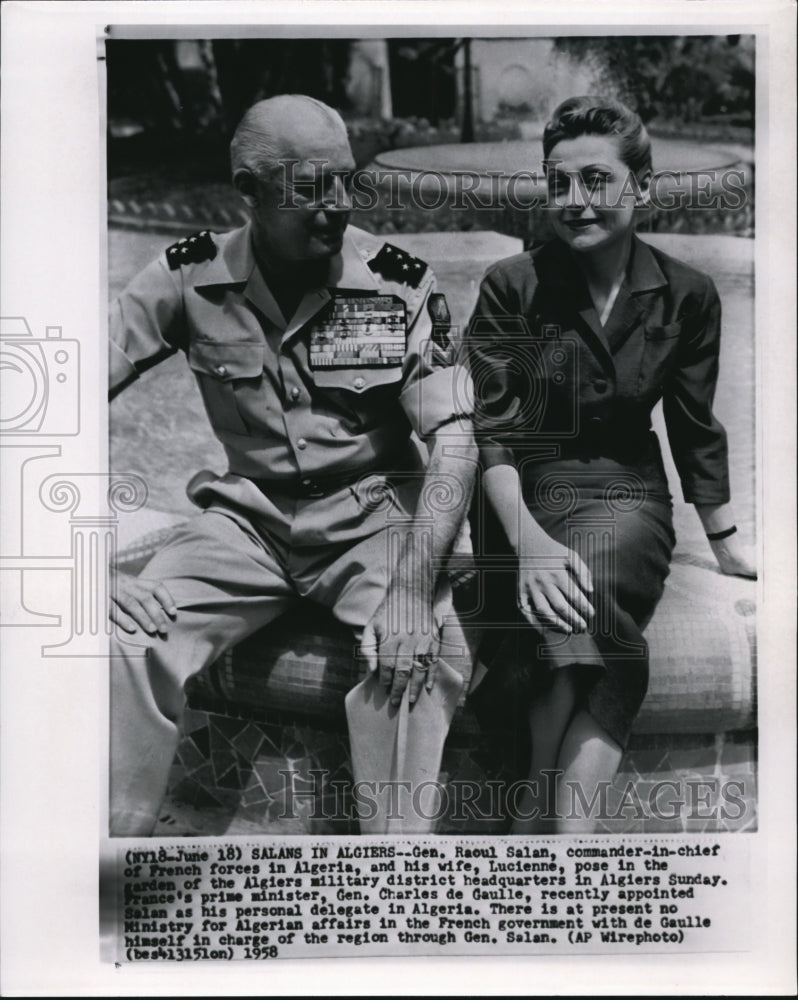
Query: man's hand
x=554, y=586
x=403, y=638
x=137, y=603
x=405, y=659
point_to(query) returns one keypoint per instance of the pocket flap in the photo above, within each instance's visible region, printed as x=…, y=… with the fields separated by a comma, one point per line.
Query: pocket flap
x=356, y=379
x=666, y=332
x=227, y=361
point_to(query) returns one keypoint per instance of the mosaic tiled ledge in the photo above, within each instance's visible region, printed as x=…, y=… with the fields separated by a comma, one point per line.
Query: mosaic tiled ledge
x=238, y=775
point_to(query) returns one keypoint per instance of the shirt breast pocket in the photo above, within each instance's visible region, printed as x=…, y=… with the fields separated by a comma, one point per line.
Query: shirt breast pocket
x=225, y=373
x=362, y=396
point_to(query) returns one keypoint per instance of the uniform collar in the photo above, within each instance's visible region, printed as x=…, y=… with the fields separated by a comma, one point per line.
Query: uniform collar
x=236, y=263
x=349, y=269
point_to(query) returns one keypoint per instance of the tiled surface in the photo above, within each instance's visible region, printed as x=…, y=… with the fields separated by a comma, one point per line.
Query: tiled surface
x=715, y=776
x=235, y=775
x=282, y=776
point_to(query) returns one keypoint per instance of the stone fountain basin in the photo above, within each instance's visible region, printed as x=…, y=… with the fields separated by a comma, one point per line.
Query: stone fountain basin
x=512, y=170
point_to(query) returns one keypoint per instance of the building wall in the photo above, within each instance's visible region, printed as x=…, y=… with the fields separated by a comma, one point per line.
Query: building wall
x=523, y=71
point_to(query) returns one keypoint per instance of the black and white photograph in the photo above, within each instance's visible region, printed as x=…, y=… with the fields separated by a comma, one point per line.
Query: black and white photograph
x=496, y=594
x=404, y=492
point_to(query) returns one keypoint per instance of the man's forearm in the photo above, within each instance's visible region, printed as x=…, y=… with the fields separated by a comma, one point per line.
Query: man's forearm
x=402, y=632
x=443, y=504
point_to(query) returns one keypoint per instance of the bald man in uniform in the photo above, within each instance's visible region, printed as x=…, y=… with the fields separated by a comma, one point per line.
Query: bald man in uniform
x=317, y=358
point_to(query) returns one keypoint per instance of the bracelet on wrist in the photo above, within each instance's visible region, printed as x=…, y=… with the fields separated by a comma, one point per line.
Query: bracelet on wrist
x=716, y=536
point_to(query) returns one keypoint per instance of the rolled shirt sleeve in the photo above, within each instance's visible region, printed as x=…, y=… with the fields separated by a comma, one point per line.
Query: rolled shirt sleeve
x=145, y=324
x=697, y=438
x=436, y=385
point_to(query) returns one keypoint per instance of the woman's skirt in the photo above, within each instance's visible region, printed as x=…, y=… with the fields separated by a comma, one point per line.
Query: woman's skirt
x=625, y=537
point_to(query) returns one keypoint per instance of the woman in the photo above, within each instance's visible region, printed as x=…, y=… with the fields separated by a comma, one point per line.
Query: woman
x=571, y=346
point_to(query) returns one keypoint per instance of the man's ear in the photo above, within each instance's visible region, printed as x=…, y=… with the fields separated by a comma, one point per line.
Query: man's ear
x=247, y=186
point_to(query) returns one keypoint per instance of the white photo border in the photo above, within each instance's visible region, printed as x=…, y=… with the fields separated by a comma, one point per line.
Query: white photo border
x=54, y=725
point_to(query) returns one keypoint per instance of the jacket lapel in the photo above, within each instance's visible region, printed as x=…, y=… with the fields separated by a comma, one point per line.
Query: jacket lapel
x=563, y=283
x=636, y=297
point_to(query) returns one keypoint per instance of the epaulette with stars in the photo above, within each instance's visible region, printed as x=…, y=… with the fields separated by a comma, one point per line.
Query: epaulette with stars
x=191, y=250
x=396, y=265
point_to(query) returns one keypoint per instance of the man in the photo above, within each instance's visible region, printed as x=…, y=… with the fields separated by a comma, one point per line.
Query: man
x=313, y=348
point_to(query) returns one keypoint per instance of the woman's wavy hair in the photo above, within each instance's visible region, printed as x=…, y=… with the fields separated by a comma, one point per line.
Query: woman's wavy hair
x=591, y=115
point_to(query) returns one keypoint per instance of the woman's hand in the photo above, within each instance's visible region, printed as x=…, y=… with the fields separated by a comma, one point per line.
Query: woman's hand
x=137, y=603
x=733, y=558
x=554, y=585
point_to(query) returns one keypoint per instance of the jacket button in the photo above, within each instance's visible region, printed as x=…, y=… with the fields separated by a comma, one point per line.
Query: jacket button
x=301, y=444
x=295, y=393
x=359, y=383
x=600, y=385
x=221, y=370
x=595, y=421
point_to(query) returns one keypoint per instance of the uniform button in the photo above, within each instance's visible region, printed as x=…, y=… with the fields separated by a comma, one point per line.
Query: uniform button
x=301, y=444
x=306, y=482
x=359, y=383
x=600, y=385
x=595, y=420
x=221, y=370
x=295, y=393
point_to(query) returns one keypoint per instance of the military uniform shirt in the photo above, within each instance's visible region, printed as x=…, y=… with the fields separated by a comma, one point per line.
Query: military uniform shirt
x=315, y=412
x=283, y=410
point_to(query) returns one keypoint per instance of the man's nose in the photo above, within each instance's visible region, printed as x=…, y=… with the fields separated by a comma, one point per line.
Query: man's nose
x=338, y=198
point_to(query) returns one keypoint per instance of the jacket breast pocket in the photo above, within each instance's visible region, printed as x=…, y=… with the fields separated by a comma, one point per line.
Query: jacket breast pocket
x=667, y=332
x=660, y=357
x=225, y=372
